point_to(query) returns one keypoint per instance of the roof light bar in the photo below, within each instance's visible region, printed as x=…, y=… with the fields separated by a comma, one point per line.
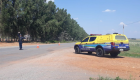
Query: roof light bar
x=115, y=33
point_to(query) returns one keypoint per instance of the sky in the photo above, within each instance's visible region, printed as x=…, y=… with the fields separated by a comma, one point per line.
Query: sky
x=105, y=16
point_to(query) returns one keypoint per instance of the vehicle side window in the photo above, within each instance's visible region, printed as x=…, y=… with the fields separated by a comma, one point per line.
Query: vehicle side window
x=85, y=40
x=92, y=39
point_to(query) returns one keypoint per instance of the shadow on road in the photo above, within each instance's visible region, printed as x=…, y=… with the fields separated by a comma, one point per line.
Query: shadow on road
x=94, y=54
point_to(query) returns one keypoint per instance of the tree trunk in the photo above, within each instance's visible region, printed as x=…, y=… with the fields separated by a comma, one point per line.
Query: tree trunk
x=11, y=39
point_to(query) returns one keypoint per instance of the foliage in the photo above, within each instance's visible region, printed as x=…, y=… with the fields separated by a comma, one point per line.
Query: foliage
x=39, y=19
x=106, y=78
x=51, y=41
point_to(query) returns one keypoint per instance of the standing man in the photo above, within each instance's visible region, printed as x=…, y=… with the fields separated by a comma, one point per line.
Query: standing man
x=20, y=40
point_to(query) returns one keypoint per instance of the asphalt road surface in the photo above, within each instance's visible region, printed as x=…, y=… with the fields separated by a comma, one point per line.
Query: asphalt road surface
x=8, y=54
x=43, y=63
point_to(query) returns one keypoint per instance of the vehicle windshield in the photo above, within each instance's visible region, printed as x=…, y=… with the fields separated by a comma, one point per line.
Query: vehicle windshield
x=118, y=37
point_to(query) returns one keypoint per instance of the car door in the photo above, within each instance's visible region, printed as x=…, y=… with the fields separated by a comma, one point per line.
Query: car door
x=91, y=43
x=84, y=44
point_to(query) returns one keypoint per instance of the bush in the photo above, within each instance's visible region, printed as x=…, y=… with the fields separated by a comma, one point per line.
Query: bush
x=51, y=41
x=106, y=78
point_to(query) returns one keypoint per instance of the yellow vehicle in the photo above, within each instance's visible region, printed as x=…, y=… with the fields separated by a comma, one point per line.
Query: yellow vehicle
x=103, y=44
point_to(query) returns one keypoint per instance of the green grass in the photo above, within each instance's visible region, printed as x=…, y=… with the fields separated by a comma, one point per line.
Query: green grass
x=107, y=78
x=134, y=50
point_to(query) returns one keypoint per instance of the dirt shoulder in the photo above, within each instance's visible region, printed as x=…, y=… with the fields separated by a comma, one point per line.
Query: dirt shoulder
x=107, y=66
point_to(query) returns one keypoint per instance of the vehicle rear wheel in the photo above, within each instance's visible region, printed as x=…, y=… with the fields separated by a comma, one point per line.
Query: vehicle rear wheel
x=115, y=54
x=89, y=52
x=77, y=50
x=100, y=52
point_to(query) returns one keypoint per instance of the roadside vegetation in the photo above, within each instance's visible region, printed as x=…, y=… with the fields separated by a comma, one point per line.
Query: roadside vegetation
x=134, y=49
x=108, y=78
x=39, y=19
x=55, y=41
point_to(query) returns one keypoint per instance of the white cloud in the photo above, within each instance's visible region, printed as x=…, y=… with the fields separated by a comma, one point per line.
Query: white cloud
x=101, y=21
x=49, y=0
x=121, y=23
x=75, y=18
x=108, y=10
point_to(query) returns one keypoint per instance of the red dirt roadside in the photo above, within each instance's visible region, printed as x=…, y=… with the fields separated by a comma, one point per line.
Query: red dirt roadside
x=123, y=67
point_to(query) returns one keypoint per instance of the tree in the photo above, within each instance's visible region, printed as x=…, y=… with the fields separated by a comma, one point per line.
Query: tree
x=39, y=19
x=1, y=18
x=10, y=17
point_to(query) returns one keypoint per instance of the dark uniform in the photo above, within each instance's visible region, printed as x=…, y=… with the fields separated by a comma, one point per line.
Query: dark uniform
x=20, y=41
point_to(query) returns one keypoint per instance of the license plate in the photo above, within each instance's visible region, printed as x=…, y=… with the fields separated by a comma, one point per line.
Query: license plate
x=121, y=50
x=121, y=47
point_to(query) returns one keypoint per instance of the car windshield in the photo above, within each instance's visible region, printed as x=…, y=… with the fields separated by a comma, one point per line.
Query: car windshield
x=117, y=37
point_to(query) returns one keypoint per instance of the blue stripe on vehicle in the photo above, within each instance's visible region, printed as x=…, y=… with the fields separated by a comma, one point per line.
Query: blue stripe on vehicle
x=106, y=47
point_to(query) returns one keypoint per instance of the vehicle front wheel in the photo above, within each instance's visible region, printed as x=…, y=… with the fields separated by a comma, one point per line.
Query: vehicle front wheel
x=77, y=50
x=100, y=52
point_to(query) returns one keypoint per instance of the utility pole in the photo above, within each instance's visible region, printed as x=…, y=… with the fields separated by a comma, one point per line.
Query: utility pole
x=123, y=29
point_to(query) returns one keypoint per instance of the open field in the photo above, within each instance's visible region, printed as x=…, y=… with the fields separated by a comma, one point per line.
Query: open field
x=134, y=49
x=138, y=40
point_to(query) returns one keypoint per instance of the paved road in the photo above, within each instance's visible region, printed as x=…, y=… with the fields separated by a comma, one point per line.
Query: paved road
x=49, y=62
x=9, y=54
